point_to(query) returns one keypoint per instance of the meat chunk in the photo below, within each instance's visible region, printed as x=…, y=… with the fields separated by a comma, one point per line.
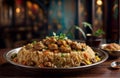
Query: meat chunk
x=39, y=46
x=65, y=49
x=53, y=46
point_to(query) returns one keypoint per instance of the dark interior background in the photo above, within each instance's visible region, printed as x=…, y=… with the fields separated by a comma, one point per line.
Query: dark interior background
x=29, y=20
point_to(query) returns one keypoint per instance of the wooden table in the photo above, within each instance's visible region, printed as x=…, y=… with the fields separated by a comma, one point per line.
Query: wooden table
x=101, y=71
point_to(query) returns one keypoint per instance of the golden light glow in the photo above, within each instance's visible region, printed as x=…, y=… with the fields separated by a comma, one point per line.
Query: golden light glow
x=17, y=10
x=99, y=2
x=36, y=6
x=29, y=4
x=30, y=12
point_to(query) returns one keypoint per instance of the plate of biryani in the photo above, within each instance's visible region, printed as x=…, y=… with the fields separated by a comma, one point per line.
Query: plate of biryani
x=113, y=49
x=56, y=53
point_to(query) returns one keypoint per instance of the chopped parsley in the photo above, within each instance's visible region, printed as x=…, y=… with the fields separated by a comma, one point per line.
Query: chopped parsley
x=14, y=55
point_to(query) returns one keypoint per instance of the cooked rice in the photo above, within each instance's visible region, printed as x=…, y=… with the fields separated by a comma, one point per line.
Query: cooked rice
x=56, y=53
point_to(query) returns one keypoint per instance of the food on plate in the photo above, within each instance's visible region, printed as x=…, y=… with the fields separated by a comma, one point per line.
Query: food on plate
x=56, y=52
x=112, y=47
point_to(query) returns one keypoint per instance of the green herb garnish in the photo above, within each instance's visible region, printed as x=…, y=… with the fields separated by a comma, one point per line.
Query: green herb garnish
x=83, y=49
x=61, y=36
x=34, y=42
x=62, y=55
x=14, y=55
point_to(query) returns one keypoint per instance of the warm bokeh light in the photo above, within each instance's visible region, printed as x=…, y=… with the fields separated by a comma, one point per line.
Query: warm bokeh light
x=17, y=10
x=29, y=4
x=30, y=12
x=36, y=6
x=99, y=2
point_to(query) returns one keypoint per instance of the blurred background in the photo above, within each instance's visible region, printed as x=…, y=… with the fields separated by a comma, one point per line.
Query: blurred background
x=29, y=20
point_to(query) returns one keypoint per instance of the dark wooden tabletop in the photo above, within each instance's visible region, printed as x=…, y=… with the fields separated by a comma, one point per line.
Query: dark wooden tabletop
x=103, y=70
